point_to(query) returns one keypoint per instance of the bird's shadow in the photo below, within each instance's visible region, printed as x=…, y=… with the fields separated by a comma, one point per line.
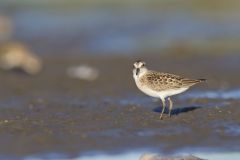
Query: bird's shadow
x=176, y=111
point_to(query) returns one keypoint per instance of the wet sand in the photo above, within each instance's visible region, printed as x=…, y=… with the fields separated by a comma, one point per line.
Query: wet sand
x=52, y=113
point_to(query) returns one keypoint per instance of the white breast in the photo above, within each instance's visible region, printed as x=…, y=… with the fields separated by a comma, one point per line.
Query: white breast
x=147, y=90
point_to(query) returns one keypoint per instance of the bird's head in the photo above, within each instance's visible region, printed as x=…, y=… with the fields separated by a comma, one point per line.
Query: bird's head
x=139, y=67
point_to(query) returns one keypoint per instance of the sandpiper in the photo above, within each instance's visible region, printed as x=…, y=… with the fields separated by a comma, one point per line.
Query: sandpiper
x=160, y=85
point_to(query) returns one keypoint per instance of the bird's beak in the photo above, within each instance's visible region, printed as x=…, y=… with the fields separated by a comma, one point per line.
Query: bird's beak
x=137, y=71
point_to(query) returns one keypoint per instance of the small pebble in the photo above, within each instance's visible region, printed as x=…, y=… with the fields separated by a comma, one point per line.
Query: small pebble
x=83, y=72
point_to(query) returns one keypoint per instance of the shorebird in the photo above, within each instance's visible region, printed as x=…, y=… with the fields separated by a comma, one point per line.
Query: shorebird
x=16, y=55
x=161, y=85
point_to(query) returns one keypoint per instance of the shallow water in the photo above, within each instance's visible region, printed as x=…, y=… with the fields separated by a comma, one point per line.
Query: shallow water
x=137, y=154
x=54, y=116
x=221, y=94
x=65, y=117
x=126, y=31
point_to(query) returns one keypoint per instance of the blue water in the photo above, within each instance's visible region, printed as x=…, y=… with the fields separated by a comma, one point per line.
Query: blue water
x=97, y=30
x=223, y=97
x=214, y=94
x=135, y=155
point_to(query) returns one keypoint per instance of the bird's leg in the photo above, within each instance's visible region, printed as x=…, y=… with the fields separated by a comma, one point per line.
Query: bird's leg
x=170, y=106
x=163, y=107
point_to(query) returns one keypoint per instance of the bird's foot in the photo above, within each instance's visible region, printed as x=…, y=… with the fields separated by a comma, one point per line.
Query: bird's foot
x=161, y=117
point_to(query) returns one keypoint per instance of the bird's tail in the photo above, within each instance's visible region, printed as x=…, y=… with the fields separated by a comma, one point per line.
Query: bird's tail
x=191, y=82
x=202, y=80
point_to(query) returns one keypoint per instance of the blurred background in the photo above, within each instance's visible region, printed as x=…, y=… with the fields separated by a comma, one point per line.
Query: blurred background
x=66, y=85
x=124, y=27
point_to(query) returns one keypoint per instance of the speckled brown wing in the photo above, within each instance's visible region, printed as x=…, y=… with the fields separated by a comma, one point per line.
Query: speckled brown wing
x=165, y=81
